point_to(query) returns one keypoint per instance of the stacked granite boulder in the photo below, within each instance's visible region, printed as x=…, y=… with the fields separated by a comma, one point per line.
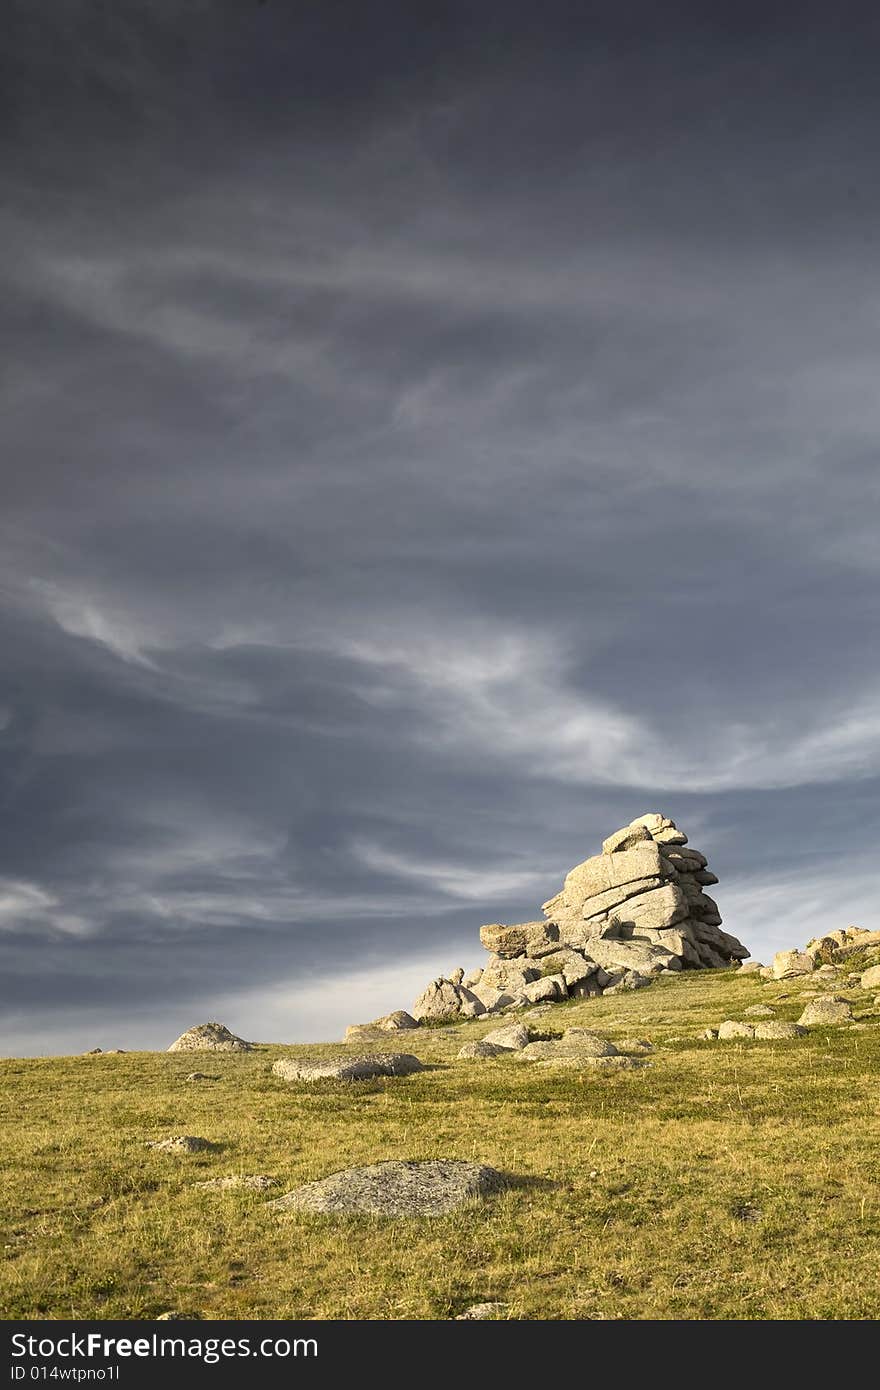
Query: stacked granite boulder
x=637, y=909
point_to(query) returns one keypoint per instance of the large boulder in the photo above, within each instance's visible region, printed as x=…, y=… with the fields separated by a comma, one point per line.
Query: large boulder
x=204, y=1037
x=789, y=964
x=395, y=1188
x=510, y=975
x=442, y=999
x=318, y=1068
x=870, y=979
x=396, y=1022
x=829, y=1008
x=521, y=939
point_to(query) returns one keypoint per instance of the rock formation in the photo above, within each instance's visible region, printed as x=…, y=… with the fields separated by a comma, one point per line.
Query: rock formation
x=209, y=1036
x=635, y=910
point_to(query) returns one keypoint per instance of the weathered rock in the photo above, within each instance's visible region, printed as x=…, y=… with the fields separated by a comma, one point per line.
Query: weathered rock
x=758, y=1011
x=179, y=1144
x=494, y=1000
x=730, y=1028
x=473, y=978
x=204, y=1036
x=870, y=979
x=474, y=1050
x=396, y=1022
x=511, y=975
x=521, y=939
x=512, y=1036
x=628, y=838
x=483, y=1312
x=604, y=871
x=457, y=976
x=396, y=1189
x=779, y=1028
x=826, y=1009
x=550, y=987
x=750, y=967
x=624, y=955
x=570, y=964
x=788, y=964
x=253, y=1182
x=443, y=999
x=317, y=1068
x=595, y=1064
x=635, y=1045
x=200, y=1076
x=601, y=905
x=575, y=1042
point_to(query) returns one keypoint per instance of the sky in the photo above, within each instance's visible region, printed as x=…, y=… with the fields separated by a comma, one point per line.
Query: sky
x=432, y=437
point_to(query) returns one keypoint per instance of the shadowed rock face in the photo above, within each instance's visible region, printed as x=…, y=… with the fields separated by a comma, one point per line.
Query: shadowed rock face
x=206, y=1036
x=395, y=1189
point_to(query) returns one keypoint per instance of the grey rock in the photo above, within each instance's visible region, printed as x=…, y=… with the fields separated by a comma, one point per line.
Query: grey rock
x=481, y=1312
x=457, y=976
x=730, y=1028
x=575, y=1042
x=594, y=1064
x=396, y=1189
x=788, y=964
x=317, y=1068
x=443, y=999
x=179, y=1144
x=200, y=1076
x=520, y=939
x=472, y=1051
x=779, y=1028
x=870, y=979
x=750, y=967
x=512, y=1037
x=550, y=987
x=826, y=1009
x=204, y=1036
x=252, y=1182
x=758, y=1011
x=627, y=838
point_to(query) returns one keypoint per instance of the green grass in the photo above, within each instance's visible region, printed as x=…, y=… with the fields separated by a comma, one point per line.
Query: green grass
x=727, y=1180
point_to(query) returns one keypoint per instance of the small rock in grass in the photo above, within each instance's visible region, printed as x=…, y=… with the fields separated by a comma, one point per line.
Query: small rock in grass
x=474, y=1050
x=779, y=1028
x=200, y=1076
x=758, y=1011
x=483, y=1311
x=255, y=1182
x=511, y=1037
x=635, y=1045
x=179, y=1144
x=730, y=1028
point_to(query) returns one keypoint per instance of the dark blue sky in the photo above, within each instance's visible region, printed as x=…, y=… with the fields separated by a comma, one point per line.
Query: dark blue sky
x=432, y=437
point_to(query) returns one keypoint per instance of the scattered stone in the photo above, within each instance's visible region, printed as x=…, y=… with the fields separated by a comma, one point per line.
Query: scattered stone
x=779, y=1028
x=209, y=1035
x=316, y=1068
x=709, y=1034
x=176, y=1316
x=94, y=1052
x=758, y=1011
x=592, y=1063
x=395, y=1189
x=511, y=1037
x=483, y=1312
x=575, y=1042
x=730, y=1028
x=255, y=1182
x=827, y=1009
x=395, y=1022
x=635, y=1045
x=200, y=1076
x=788, y=964
x=179, y=1144
x=474, y=1050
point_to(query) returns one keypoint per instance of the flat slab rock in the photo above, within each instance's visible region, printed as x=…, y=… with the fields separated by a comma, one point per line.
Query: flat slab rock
x=205, y=1036
x=575, y=1042
x=346, y=1068
x=179, y=1144
x=395, y=1188
x=253, y=1182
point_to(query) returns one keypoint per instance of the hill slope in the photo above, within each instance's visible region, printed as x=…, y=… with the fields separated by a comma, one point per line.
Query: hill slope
x=734, y=1179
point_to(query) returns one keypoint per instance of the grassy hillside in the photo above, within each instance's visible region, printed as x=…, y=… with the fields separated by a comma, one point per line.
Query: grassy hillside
x=726, y=1180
